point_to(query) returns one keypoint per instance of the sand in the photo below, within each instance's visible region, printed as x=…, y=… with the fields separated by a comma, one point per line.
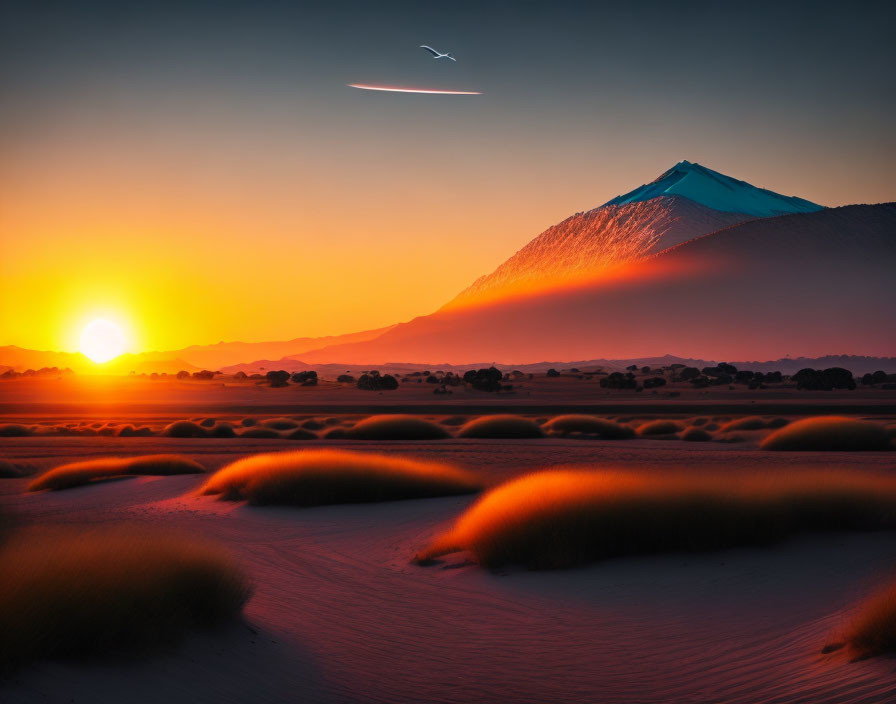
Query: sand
x=340, y=615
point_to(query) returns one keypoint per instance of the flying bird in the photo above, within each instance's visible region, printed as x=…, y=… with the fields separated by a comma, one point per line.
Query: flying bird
x=436, y=54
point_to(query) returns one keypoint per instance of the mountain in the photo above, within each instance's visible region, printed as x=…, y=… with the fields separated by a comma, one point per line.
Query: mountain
x=716, y=191
x=193, y=358
x=801, y=284
x=586, y=244
x=687, y=201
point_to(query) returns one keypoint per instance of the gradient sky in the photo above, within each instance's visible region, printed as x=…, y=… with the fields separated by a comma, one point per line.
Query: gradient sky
x=200, y=171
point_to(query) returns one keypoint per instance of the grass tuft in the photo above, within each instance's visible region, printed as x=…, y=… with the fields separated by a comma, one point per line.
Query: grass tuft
x=873, y=629
x=397, y=427
x=832, y=433
x=79, y=473
x=590, y=425
x=564, y=518
x=501, y=426
x=317, y=477
x=659, y=427
x=185, y=429
x=85, y=592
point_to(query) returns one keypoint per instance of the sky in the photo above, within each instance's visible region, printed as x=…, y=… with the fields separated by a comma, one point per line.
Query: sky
x=200, y=171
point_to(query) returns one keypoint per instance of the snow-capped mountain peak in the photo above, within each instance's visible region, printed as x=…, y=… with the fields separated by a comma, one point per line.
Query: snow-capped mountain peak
x=717, y=191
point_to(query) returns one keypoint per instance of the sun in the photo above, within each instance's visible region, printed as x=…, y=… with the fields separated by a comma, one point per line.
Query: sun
x=102, y=340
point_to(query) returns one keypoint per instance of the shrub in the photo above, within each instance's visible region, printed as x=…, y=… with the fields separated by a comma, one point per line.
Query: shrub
x=829, y=433
x=79, y=473
x=345, y=379
x=688, y=373
x=278, y=378
x=501, y=426
x=659, y=427
x=552, y=373
x=13, y=430
x=204, y=375
x=223, y=430
x=693, y=434
x=563, y=425
x=569, y=517
x=748, y=423
x=280, y=423
x=184, y=429
x=316, y=477
x=183, y=374
x=618, y=380
x=207, y=422
x=873, y=629
x=397, y=427
x=372, y=381
x=654, y=382
x=484, y=379
x=306, y=378
x=71, y=592
x=826, y=380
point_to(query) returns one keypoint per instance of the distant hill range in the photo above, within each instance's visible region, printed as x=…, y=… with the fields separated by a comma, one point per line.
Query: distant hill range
x=695, y=261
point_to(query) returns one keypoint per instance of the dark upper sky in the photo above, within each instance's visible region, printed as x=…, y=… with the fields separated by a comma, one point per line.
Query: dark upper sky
x=163, y=112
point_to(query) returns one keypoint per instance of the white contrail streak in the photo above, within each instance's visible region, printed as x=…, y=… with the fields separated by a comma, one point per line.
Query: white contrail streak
x=430, y=91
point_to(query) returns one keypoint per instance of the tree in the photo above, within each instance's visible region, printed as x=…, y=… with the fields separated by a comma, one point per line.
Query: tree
x=553, y=372
x=277, y=378
x=183, y=374
x=485, y=379
x=307, y=378
x=689, y=373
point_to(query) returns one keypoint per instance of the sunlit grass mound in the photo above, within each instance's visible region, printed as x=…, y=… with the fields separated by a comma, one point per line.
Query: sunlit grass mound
x=693, y=434
x=185, y=429
x=13, y=430
x=564, y=518
x=873, y=629
x=748, y=423
x=110, y=590
x=659, y=427
x=316, y=477
x=832, y=433
x=501, y=426
x=397, y=427
x=590, y=425
x=80, y=473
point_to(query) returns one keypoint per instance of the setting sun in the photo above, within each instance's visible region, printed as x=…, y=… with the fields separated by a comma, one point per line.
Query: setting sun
x=101, y=341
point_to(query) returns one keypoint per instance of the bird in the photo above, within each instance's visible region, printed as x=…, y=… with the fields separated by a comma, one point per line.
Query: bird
x=436, y=54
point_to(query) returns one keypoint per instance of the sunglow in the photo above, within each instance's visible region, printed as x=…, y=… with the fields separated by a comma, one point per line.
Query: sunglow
x=102, y=340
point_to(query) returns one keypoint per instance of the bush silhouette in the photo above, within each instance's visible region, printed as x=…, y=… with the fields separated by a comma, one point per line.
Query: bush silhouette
x=345, y=379
x=824, y=380
x=484, y=379
x=659, y=427
x=185, y=429
x=277, y=379
x=693, y=434
x=552, y=372
x=654, y=382
x=306, y=378
x=373, y=381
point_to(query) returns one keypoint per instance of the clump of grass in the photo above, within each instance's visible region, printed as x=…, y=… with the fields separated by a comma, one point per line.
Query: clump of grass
x=223, y=430
x=260, y=433
x=14, y=430
x=397, y=427
x=570, y=517
x=79, y=473
x=316, y=477
x=280, y=423
x=501, y=426
x=589, y=425
x=85, y=592
x=748, y=423
x=873, y=629
x=185, y=429
x=659, y=427
x=693, y=434
x=833, y=433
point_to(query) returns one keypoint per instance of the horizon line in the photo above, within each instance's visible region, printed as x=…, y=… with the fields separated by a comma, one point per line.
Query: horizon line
x=396, y=89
